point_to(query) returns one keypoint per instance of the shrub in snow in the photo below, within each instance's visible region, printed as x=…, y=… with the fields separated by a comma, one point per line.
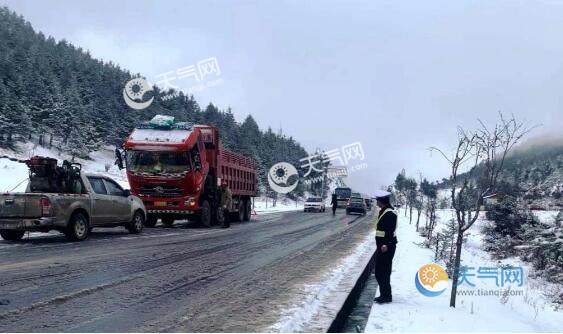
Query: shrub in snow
x=515, y=231
x=444, y=246
x=545, y=248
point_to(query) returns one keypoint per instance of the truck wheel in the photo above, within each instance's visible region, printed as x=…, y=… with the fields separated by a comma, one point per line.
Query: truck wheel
x=240, y=213
x=11, y=235
x=247, y=210
x=205, y=214
x=78, y=228
x=218, y=216
x=168, y=221
x=151, y=221
x=137, y=223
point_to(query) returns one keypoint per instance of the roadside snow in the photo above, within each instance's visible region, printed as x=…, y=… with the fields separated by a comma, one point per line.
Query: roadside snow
x=13, y=176
x=328, y=291
x=264, y=205
x=413, y=312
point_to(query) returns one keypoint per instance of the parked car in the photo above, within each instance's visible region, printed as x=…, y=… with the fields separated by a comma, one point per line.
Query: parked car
x=314, y=204
x=67, y=200
x=356, y=204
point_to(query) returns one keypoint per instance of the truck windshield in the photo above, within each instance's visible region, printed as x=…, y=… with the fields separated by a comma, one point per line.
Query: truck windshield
x=157, y=162
x=343, y=192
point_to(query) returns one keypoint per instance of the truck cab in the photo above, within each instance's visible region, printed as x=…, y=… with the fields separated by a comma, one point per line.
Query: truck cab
x=176, y=169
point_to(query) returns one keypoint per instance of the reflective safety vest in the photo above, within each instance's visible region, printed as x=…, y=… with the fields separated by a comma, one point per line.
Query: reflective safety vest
x=381, y=234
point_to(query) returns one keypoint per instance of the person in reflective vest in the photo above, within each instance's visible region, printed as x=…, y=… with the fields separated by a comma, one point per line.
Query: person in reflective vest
x=386, y=241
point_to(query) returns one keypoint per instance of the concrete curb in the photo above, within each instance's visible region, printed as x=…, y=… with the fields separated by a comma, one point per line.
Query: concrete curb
x=350, y=302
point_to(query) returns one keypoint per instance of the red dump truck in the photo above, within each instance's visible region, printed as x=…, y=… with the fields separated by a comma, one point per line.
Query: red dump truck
x=176, y=168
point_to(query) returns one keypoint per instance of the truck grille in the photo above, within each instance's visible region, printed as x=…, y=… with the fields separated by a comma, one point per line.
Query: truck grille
x=160, y=191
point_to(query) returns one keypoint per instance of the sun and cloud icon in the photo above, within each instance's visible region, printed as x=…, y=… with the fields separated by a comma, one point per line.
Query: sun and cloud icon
x=431, y=280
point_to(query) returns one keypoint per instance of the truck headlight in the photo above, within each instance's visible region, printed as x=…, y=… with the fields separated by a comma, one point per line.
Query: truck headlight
x=190, y=202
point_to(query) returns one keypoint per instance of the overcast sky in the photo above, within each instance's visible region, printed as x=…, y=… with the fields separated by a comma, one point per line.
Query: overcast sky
x=396, y=76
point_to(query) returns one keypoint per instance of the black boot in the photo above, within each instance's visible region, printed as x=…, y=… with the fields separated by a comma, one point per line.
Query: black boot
x=383, y=300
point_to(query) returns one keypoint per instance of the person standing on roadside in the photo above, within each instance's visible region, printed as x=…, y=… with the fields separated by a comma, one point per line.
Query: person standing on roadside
x=334, y=203
x=226, y=202
x=386, y=241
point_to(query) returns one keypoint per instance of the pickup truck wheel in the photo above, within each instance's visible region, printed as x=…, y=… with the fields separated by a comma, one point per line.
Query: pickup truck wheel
x=150, y=221
x=247, y=210
x=205, y=214
x=78, y=227
x=11, y=235
x=137, y=223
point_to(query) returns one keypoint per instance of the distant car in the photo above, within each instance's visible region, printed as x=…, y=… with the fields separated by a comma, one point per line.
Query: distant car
x=356, y=204
x=314, y=204
x=368, y=203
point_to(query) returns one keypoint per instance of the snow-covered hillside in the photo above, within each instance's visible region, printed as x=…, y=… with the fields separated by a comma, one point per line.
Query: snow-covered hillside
x=12, y=173
x=529, y=311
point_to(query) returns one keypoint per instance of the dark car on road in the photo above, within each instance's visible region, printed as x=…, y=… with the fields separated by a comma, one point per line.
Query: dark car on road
x=356, y=204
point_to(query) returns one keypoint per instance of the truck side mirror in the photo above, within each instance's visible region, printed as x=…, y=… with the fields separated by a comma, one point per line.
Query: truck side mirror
x=118, y=158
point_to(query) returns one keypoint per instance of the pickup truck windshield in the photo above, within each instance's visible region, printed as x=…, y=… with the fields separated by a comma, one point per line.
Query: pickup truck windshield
x=157, y=162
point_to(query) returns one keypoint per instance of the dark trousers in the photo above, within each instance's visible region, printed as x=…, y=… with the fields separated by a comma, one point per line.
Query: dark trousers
x=383, y=264
x=333, y=210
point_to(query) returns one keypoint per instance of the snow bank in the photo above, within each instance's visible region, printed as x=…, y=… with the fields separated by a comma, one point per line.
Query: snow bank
x=413, y=312
x=265, y=205
x=328, y=292
x=13, y=176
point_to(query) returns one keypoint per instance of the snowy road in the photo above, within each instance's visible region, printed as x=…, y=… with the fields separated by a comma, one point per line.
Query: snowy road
x=182, y=278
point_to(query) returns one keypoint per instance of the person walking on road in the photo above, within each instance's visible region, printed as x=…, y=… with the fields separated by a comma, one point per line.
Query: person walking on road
x=386, y=242
x=226, y=201
x=334, y=203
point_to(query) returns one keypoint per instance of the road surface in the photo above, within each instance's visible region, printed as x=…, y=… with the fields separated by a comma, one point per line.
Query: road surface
x=182, y=278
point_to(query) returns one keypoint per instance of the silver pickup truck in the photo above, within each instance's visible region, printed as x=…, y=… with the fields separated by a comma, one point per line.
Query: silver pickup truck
x=92, y=201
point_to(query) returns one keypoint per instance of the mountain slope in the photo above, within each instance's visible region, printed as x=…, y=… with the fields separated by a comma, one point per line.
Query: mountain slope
x=56, y=94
